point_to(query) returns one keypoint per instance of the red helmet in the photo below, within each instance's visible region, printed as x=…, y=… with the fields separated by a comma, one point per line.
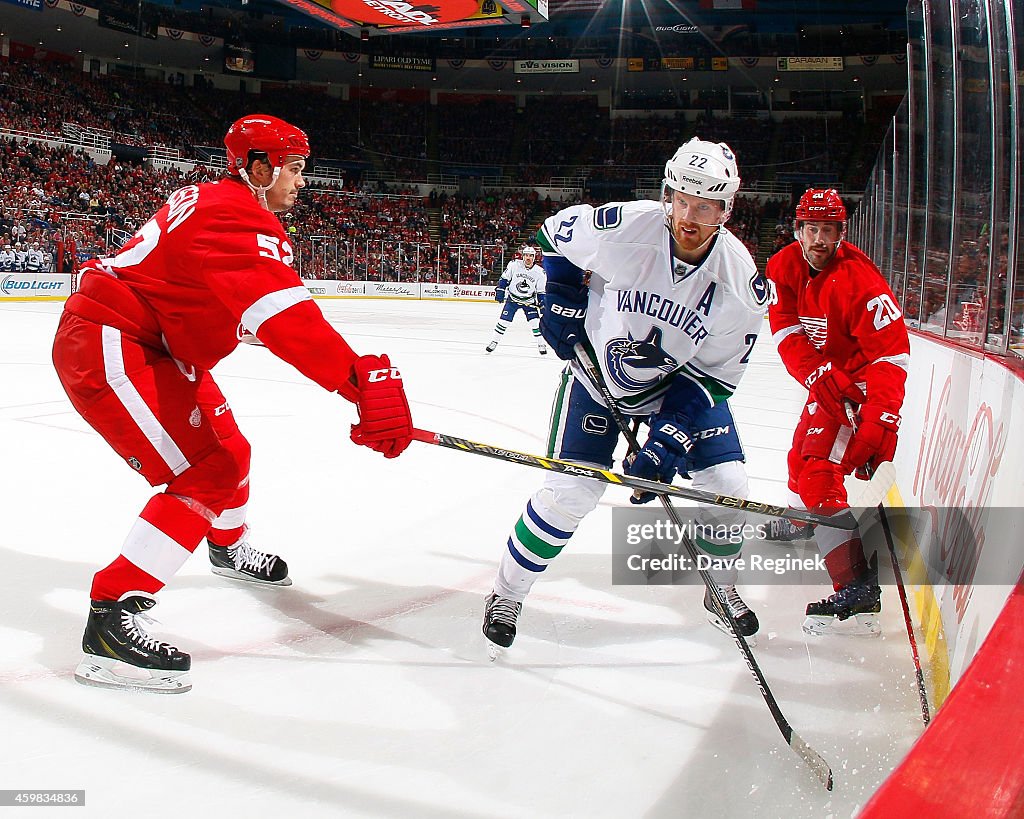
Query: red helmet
x=817, y=205
x=264, y=134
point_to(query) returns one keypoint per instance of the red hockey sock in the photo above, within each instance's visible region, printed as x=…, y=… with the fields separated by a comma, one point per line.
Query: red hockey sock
x=846, y=562
x=162, y=539
x=229, y=526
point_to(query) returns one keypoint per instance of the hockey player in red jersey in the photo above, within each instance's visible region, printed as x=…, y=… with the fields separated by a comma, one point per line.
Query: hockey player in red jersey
x=134, y=351
x=840, y=334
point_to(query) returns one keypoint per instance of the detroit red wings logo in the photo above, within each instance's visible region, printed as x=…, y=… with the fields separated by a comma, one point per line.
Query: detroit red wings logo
x=816, y=330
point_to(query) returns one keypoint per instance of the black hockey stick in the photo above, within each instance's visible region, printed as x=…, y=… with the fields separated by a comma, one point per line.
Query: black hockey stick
x=922, y=691
x=812, y=758
x=846, y=522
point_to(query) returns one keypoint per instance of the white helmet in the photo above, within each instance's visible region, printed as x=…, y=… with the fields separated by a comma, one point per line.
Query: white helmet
x=529, y=250
x=705, y=169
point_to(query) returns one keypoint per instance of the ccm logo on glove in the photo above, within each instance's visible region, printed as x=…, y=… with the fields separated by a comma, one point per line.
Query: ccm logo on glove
x=374, y=376
x=818, y=373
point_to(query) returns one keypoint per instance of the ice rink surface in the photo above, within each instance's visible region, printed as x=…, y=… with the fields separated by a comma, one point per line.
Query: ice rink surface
x=364, y=689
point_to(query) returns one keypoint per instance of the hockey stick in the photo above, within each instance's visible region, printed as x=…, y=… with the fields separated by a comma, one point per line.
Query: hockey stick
x=846, y=522
x=812, y=758
x=922, y=692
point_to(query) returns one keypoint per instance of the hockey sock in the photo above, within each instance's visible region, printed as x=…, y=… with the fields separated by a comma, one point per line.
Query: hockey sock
x=162, y=539
x=532, y=545
x=229, y=526
x=722, y=554
x=845, y=562
x=499, y=331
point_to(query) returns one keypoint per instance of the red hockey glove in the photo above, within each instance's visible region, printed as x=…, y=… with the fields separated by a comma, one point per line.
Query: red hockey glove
x=385, y=423
x=875, y=441
x=830, y=387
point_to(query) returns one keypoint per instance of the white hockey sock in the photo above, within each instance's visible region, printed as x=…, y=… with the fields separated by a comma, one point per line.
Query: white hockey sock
x=532, y=545
x=499, y=331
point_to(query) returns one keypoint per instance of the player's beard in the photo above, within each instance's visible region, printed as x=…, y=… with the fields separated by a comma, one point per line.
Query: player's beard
x=820, y=254
x=695, y=241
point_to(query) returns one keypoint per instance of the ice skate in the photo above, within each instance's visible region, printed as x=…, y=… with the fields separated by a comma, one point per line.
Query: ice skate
x=746, y=620
x=542, y=349
x=119, y=653
x=243, y=562
x=500, y=616
x=490, y=348
x=852, y=610
x=784, y=530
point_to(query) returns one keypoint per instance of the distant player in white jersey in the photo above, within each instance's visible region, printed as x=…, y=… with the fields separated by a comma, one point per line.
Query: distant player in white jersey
x=520, y=288
x=34, y=259
x=669, y=303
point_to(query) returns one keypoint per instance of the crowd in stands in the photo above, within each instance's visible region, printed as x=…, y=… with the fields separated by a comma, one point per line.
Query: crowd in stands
x=476, y=132
x=366, y=229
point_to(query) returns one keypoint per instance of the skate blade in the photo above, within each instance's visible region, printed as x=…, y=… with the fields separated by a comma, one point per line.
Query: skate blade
x=236, y=575
x=102, y=672
x=723, y=627
x=859, y=625
x=494, y=651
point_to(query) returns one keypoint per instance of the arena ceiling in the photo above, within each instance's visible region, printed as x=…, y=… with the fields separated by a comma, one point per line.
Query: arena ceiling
x=592, y=19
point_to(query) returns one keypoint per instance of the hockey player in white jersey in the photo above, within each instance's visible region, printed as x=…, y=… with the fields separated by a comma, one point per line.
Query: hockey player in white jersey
x=7, y=259
x=34, y=259
x=669, y=304
x=520, y=288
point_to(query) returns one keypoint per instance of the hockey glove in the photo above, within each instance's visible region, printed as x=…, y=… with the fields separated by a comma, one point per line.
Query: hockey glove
x=662, y=456
x=385, y=423
x=561, y=323
x=875, y=440
x=830, y=387
x=499, y=294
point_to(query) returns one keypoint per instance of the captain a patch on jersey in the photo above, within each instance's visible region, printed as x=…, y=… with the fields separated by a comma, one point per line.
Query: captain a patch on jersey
x=635, y=364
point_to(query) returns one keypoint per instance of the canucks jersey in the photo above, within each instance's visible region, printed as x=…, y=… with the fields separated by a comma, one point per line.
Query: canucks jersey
x=523, y=285
x=652, y=318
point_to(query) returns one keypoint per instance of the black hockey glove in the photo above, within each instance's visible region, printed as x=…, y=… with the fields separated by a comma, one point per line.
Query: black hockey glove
x=561, y=322
x=663, y=455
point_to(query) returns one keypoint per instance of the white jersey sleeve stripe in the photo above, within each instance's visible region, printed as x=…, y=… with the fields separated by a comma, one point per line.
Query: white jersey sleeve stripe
x=141, y=414
x=154, y=552
x=691, y=366
x=272, y=304
x=902, y=360
x=786, y=332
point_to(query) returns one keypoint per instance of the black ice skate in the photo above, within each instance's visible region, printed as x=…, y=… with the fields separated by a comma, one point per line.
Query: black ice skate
x=784, y=530
x=120, y=654
x=746, y=620
x=490, y=348
x=858, y=602
x=500, y=616
x=243, y=562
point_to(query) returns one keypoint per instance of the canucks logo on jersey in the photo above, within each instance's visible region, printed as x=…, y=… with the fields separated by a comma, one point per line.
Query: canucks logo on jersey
x=635, y=364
